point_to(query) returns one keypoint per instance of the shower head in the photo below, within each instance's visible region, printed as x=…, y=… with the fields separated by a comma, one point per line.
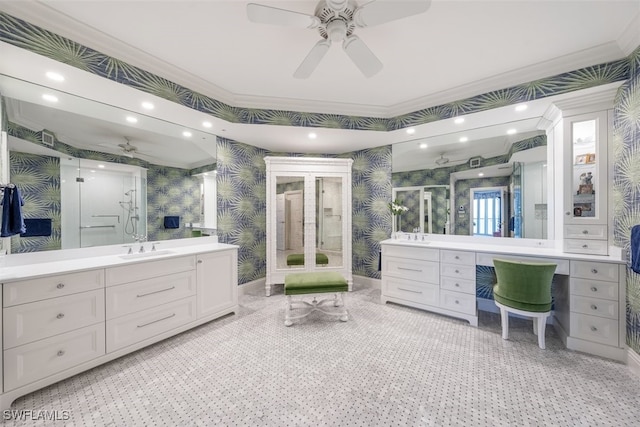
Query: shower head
x=129, y=192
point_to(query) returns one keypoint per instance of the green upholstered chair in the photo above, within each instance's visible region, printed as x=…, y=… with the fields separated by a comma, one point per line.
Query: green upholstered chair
x=524, y=288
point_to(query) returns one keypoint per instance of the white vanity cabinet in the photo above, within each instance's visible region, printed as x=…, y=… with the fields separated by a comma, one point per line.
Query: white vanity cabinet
x=51, y=324
x=57, y=325
x=215, y=270
x=430, y=279
x=586, y=181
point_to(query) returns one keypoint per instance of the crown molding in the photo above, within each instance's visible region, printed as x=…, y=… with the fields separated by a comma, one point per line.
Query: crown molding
x=601, y=98
x=629, y=40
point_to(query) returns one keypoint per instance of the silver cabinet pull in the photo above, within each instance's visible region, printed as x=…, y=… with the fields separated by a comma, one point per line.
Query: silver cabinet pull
x=60, y=316
x=457, y=302
x=585, y=246
x=594, y=271
x=457, y=285
x=585, y=231
x=567, y=213
x=156, y=321
x=155, y=292
x=457, y=257
x=593, y=329
x=60, y=285
x=457, y=271
x=594, y=307
x=594, y=289
x=410, y=290
x=199, y=261
x=60, y=353
x=409, y=269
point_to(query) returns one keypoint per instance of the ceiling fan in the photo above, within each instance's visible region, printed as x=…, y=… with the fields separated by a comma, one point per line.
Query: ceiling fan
x=127, y=149
x=336, y=21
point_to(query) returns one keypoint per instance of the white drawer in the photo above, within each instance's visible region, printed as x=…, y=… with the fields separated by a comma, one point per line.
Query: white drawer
x=458, y=257
x=458, y=285
x=132, y=328
x=30, y=322
x=137, y=296
x=421, y=271
x=457, y=301
x=458, y=271
x=594, y=306
x=585, y=246
x=31, y=362
x=149, y=269
x=487, y=260
x=409, y=290
x=31, y=290
x=594, y=288
x=588, y=232
x=412, y=252
x=594, y=270
x=593, y=328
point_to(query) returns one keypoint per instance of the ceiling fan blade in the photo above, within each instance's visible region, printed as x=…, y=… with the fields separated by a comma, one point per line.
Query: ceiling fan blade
x=362, y=56
x=380, y=12
x=272, y=15
x=312, y=59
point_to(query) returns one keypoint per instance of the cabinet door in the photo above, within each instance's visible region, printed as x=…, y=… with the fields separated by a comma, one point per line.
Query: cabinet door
x=586, y=169
x=217, y=282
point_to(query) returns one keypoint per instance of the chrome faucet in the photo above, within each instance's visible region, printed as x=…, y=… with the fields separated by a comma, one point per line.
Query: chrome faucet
x=140, y=238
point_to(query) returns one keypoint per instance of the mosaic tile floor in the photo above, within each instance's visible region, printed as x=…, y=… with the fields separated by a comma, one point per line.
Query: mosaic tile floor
x=387, y=366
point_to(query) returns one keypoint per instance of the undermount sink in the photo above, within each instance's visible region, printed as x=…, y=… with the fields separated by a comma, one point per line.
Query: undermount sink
x=149, y=254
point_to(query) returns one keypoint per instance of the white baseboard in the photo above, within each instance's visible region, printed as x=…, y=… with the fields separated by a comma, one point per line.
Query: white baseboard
x=633, y=361
x=368, y=282
x=255, y=286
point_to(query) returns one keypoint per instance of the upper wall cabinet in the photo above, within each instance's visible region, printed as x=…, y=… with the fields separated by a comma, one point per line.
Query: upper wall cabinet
x=308, y=217
x=586, y=181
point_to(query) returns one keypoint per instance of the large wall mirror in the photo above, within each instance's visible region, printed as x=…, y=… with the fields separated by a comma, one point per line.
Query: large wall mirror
x=93, y=174
x=485, y=181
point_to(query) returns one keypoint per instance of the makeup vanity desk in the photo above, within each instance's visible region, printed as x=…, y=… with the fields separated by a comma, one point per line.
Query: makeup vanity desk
x=438, y=274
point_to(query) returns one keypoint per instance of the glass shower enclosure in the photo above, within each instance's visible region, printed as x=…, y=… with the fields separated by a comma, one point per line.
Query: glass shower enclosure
x=102, y=203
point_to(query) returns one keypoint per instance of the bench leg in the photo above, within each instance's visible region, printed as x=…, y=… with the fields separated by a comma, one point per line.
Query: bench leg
x=287, y=312
x=345, y=315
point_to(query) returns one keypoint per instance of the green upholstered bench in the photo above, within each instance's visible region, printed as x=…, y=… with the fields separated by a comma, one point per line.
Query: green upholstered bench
x=298, y=259
x=318, y=282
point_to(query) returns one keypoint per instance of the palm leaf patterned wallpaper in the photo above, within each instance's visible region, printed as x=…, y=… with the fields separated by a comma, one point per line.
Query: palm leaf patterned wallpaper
x=38, y=179
x=243, y=202
x=46, y=43
x=626, y=185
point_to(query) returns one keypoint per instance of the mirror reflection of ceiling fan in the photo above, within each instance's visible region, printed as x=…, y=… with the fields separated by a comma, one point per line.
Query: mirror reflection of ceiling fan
x=336, y=21
x=128, y=149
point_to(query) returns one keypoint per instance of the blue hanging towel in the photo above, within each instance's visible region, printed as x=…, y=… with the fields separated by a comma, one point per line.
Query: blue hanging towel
x=12, y=222
x=37, y=227
x=635, y=248
x=171, y=222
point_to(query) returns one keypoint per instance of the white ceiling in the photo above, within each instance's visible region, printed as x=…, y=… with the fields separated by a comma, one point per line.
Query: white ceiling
x=454, y=50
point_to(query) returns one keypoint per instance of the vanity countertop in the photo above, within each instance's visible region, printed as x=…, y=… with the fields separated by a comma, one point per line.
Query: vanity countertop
x=536, y=248
x=26, y=266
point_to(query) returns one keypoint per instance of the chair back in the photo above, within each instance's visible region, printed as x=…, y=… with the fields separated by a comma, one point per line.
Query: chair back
x=524, y=282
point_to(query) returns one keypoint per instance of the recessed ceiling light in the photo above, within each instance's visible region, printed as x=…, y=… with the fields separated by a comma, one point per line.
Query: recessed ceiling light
x=49, y=98
x=101, y=166
x=463, y=139
x=521, y=107
x=55, y=76
x=207, y=124
x=411, y=131
x=147, y=105
x=312, y=135
x=480, y=174
x=423, y=145
x=186, y=134
x=458, y=120
x=512, y=131
x=93, y=171
x=132, y=119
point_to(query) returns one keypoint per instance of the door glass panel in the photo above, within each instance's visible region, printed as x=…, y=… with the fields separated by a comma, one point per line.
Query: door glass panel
x=583, y=135
x=329, y=221
x=290, y=222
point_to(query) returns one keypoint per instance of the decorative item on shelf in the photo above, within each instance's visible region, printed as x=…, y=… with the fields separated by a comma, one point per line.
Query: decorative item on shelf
x=581, y=159
x=586, y=183
x=397, y=209
x=591, y=157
